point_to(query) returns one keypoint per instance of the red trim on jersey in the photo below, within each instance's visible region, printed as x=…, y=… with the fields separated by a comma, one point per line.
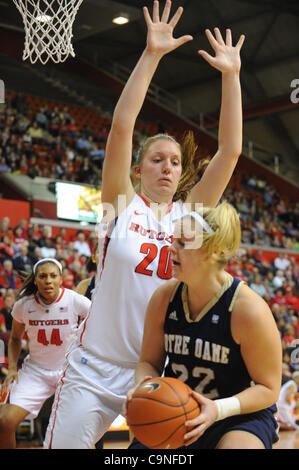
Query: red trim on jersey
x=144, y=200
x=55, y=412
x=100, y=275
x=44, y=305
x=60, y=297
x=170, y=207
x=148, y=204
x=105, y=248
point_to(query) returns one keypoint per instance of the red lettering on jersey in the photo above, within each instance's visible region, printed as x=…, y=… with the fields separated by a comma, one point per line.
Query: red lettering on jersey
x=134, y=227
x=151, y=251
x=55, y=337
x=164, y=270
x=152, y=233
x=143, y=231
x=161, y=235
x=41, y=337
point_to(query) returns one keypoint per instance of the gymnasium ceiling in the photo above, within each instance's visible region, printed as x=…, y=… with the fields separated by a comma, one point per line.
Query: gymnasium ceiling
x=270, y=62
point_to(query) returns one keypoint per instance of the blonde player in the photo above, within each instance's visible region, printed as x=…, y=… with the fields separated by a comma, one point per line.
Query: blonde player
x=216, y=335
x=134, y=257
x=50, y=316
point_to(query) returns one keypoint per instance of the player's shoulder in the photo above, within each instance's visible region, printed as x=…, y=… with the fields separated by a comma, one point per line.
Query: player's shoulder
x=247, y=298
x=82, y=286
x=165, y=292
x=250, y=308
x=24, y=301
x=73, y=294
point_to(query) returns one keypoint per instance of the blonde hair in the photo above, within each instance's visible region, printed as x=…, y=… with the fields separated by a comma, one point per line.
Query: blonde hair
x=225, y=237
x=190, y=165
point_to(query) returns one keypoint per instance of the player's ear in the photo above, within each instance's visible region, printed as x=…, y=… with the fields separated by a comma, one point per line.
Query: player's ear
x=137, y=172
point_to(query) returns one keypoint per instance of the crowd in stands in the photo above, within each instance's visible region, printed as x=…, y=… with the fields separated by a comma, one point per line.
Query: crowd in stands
x=22, y=246
x=70, y=154
x=77, y=155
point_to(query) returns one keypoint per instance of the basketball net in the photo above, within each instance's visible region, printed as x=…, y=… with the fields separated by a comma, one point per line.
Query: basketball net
x=48, y=28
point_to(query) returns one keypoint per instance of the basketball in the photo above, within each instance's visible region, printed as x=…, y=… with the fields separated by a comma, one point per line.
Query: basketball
x=158, y=411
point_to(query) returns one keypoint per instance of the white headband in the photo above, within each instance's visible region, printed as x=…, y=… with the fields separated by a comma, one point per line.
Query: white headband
x=202, y=221
x=48, y=260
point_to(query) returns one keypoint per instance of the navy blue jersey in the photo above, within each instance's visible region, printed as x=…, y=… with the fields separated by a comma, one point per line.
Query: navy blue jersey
x=202, y=352
x=90, y=288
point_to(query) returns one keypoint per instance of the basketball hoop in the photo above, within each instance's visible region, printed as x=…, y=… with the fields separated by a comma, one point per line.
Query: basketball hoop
x=48, y=28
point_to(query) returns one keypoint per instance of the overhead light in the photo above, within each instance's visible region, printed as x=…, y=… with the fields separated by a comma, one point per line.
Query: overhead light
x=121, y=18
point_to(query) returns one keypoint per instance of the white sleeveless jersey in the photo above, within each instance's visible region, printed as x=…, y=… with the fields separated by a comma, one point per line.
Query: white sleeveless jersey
x=134, y=260
x=51, y=329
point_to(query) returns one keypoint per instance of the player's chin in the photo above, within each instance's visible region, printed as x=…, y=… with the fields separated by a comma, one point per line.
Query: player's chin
x=176, y=269
x=48, y=293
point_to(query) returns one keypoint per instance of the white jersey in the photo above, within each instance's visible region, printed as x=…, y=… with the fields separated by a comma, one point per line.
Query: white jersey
x=134, y=260
x=285, y=408
x=51, y=329
x=285, y=390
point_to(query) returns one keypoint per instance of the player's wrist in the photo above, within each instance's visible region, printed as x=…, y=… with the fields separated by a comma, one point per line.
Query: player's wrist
x=227, y=407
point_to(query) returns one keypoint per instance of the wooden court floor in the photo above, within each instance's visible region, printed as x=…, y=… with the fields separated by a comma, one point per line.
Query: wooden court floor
x=288, y=440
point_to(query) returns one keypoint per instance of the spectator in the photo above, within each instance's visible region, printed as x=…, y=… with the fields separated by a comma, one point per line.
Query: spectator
x=9, y=302
x=81, y=245
x=42, y=118
x=279, y=297
x=85, y=170
x=278, y=279
x=6, y=248
x=22, y=262
x=3, y=165
x=68, y=279
x=23, y=224
x=2, y=326
x=289, y=336
x=291, y=299
x=48, y=250
x=36, y=133
x=257, y=286
x=46, y=235
x=9, y=277
x=19, y=238
x=5, y=228
x=282, y=262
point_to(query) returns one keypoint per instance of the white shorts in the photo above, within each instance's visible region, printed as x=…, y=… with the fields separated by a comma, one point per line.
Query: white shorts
x=34, y=386
x=88, y=398
x=285, y=414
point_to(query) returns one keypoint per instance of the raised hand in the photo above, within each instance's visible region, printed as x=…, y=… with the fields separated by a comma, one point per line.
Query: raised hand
x=160, y=38
x=227, y=57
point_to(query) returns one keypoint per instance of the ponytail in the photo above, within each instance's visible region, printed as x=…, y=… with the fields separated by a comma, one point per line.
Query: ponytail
x=28, y=287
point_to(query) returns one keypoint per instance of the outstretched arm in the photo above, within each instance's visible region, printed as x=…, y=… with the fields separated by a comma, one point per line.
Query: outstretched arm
x=219, y=171
x=160, y=41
